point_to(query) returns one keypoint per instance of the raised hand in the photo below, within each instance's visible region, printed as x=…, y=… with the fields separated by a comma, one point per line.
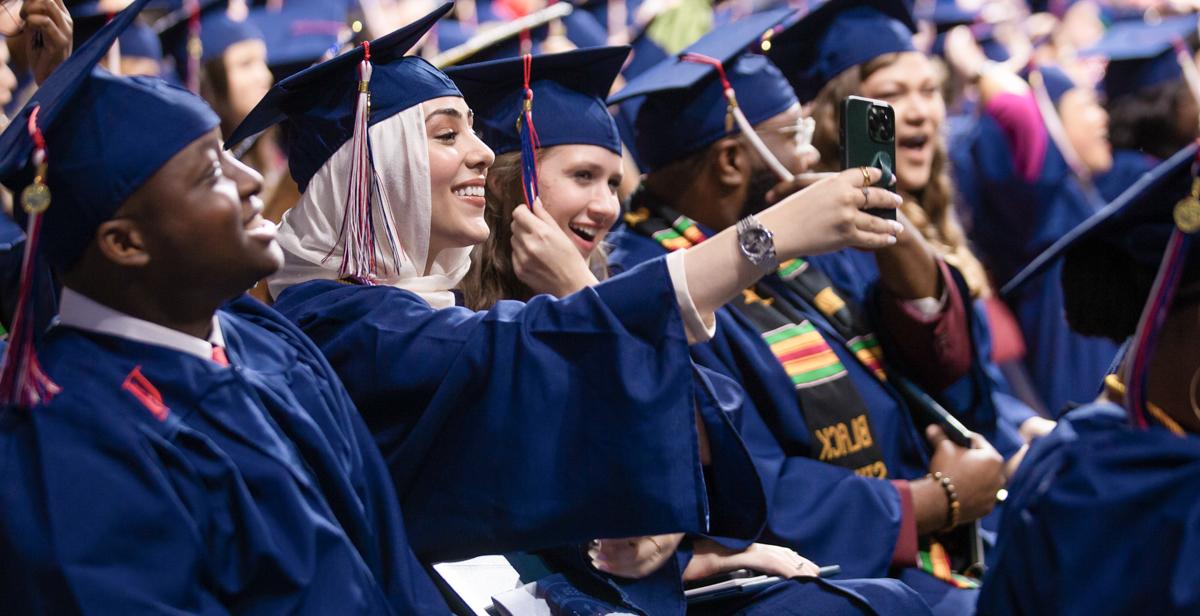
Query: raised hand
x=829, y=216
x=543, y=256
x=47, y=35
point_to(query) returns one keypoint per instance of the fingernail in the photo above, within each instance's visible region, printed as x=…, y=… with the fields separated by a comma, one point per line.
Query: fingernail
x=891, y=239
x=896, y=226
x=898, y=199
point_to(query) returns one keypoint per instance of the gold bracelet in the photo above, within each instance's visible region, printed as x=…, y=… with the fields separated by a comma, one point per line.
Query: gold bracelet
x=953, y=506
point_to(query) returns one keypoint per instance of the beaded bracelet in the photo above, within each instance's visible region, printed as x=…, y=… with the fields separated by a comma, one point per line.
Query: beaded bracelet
x=953, y=506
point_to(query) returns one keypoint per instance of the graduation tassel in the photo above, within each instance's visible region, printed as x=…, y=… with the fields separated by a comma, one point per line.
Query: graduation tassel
x=22, y=381
x=1162, y=293
x=357, y=235
x=1187, y=64
x=529, y=140
x=195, y=48
x=734, y=115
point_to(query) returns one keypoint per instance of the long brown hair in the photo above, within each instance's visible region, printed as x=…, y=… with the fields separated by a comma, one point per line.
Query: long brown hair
x=492, y=276
x=930, y=209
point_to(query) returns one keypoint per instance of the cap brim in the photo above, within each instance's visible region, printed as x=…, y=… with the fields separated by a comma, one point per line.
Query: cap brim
x=1106, y=217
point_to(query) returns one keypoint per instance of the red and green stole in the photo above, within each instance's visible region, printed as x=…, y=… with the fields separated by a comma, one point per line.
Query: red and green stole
x=833, y=410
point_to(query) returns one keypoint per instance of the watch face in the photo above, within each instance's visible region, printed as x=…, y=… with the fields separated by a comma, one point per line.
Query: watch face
x=756, y=241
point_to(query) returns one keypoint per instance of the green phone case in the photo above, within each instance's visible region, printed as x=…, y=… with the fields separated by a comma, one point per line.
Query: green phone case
x=869, y=140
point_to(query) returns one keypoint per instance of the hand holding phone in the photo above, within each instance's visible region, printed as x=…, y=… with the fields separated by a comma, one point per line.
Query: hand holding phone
x=868, y=139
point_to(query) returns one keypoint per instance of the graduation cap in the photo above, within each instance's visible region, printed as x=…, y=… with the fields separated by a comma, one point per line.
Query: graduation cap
x=568, y=97
x=140, y=41
x=1153, y=223
x=526, y=34
x=561, y=94
x=300, y=33
x=326, y=106
x=317, y=107
x=687, y=98
x=75, y=152
x=837, y=35
x=945, y=15
x=199, y=31
x=1142, y=55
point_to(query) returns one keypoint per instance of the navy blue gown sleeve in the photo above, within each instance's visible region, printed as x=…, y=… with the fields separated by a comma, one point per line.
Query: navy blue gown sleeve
x=525, y=426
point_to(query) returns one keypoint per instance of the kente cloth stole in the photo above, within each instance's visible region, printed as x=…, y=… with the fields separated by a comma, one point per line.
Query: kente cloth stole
x=834, y=412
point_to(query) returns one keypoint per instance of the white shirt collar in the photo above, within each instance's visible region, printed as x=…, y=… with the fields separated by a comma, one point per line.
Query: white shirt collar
x=80, y=312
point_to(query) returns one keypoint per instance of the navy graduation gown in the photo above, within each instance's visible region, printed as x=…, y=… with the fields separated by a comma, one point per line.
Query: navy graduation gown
x=826, y=512
x=527, y=426
x=1128, y=167
x=738, y=507
x=1013, y=221
x=1102, y=518
x=158, y=482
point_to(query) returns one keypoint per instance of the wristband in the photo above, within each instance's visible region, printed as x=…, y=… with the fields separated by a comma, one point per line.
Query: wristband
x=953, y=506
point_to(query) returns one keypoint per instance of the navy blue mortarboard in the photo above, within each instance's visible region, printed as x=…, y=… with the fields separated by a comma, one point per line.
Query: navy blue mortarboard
x=685, y=107
x=318, y=106
x=199, y=32
x=79, y=148
x=1153, y=223
x=300, y=33
x=837, y=35
x=568, y=97
x=1142, y=55
x=140, y=41
x=579, y=27
x=945, y=14
x=1136, y=224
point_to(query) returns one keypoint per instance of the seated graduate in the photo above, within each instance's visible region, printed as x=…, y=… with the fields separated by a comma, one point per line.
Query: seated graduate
x=572, y=173
x=908, y=80
x=168, y=454
x=1103, y=516
x=827, y=425
x=479, y=414
x=1032, y=155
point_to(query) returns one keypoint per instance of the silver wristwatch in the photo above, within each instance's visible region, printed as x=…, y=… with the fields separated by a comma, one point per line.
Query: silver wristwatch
x=757, y=244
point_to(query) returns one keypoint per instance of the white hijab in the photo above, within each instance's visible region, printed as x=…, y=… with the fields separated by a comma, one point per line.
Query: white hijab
x=400, y=158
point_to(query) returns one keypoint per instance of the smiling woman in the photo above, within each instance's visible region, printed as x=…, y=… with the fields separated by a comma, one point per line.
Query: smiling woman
x=458, y=163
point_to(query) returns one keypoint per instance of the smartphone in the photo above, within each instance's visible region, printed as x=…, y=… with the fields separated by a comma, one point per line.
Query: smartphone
x=869, y=140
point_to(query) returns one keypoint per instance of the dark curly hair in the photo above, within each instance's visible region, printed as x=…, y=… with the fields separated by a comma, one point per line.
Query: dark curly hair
x=1152, y=120
x=1104, y=290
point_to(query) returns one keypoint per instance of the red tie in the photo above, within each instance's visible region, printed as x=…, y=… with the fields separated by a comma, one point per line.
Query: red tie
x=218, y=355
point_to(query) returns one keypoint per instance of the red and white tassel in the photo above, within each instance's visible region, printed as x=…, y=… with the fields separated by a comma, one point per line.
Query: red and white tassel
x=357, y=237
x=195, y=48
x=734, y=116
x=22, y=381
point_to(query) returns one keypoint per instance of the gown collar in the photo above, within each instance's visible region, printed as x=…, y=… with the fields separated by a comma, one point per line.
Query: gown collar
x=80, y=312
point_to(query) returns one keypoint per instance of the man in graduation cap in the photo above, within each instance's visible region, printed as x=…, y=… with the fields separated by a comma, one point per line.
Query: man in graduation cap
x=836, y=441
x=1104, y=514
x=168, y=454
